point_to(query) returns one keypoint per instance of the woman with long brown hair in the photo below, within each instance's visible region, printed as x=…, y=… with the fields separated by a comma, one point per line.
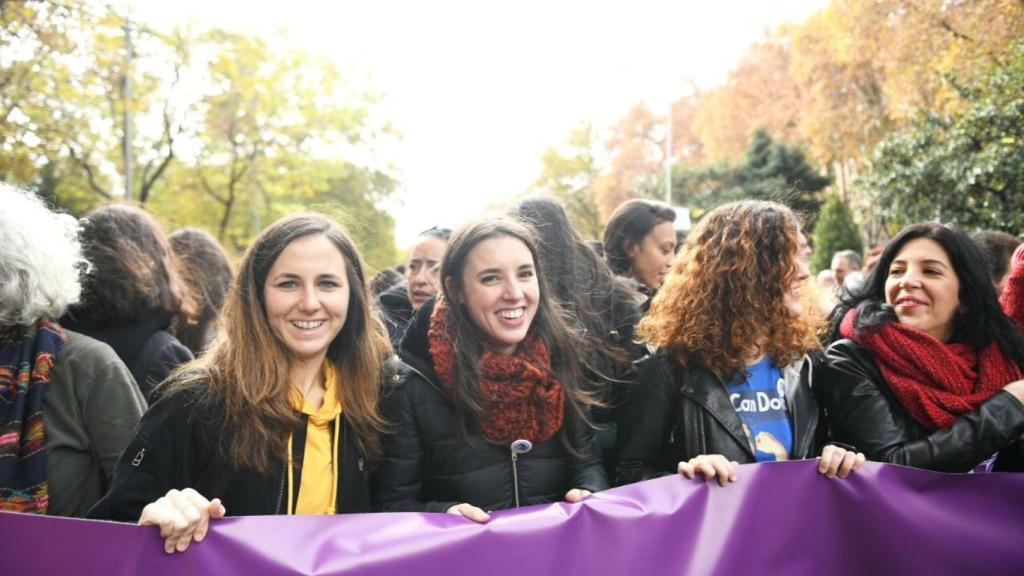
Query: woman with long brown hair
x=493, y=414
x=731, y=379
x=280, y=416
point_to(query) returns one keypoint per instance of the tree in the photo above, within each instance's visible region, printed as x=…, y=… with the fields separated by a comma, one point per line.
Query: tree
x=964, y=167
x=835, y=231
x=568, y=175
x=770, y=170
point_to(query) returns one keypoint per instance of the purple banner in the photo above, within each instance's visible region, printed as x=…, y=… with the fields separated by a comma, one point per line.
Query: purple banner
x=777, y=518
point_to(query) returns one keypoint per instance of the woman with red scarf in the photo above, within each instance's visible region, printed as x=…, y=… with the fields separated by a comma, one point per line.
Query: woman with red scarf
x=929, y=371
x=492, y=415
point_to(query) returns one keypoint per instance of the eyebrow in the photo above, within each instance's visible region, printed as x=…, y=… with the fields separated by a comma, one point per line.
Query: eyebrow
x=926, y=261
x=496, y=270
x=292, y=275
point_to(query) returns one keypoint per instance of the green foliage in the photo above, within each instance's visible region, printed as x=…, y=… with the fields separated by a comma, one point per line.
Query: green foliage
x=568, y=175
x=771, y=170
x=966, y=167
x=834, y=231
x=230, y=131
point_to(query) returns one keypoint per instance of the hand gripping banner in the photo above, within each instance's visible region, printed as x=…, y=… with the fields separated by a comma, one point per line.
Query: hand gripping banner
x=778, y=518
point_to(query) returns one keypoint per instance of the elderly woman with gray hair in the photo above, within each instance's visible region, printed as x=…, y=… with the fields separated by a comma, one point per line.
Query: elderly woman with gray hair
x=68, y=404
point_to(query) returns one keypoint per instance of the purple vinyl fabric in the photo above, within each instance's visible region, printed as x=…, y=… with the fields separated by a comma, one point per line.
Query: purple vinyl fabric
x=777, y=518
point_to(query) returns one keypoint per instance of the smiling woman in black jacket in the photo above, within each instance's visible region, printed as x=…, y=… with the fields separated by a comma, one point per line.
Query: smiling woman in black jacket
x=493, y=416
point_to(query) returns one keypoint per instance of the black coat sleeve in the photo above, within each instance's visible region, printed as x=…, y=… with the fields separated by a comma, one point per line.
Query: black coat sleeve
x=864, y=413
x=161, y=455
x=398, y=483
x=588, y=472
x=645, y=422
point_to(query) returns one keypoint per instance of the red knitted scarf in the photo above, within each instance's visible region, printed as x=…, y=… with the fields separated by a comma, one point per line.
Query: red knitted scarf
x=520, y=396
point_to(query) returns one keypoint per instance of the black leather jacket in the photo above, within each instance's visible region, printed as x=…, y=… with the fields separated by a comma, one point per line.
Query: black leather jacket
x=864, y=412
x=678, y=412
x=430, y=464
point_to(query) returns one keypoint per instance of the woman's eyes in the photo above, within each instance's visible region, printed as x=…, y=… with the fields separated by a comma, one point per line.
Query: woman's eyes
x=526, y=274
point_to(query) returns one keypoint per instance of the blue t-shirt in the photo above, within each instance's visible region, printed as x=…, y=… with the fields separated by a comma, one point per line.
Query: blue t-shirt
x=760, y=401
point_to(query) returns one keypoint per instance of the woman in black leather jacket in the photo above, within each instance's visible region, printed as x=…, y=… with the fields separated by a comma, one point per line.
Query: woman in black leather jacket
x=731, y=379
x=492, y=415
x=928, y=373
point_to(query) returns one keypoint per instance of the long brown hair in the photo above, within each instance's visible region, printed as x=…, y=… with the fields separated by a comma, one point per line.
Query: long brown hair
x=247, y=369
x=725, y=291
x=549, y=324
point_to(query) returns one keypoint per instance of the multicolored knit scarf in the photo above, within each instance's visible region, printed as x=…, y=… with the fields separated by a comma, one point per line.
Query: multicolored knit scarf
x=26, y=356
x=521, y=398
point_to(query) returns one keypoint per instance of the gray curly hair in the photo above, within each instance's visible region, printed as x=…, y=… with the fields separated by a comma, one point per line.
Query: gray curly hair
x=40, y=259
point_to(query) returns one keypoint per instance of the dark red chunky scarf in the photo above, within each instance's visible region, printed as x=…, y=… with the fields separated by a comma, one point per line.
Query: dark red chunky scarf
x=521, y=398
x=937, y=382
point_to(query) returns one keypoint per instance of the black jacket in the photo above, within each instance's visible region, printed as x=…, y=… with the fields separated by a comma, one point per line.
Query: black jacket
x=395, y=311
x=148, y=349
x=678, y=412
x=864, y=412
x=430, y=464
x=182, y=443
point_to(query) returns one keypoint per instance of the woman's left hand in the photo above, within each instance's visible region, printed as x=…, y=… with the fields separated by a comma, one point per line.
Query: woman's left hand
x=838, y=461
x=576, y=494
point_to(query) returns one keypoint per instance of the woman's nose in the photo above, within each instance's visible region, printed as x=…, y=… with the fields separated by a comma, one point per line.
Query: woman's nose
x=310, y=300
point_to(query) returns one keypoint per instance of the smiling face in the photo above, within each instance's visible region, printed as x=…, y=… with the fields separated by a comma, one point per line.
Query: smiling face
x=793, y=295
x=500, y=291
x=924, y=288
x=306, y=296
x=419, y=275
x=653, y=256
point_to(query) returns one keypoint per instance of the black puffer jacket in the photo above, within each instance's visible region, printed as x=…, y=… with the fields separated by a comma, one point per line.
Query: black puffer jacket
x=430, y=464
x=182, y=443
x=864, y=412
x=676, y=413
x=395, y=311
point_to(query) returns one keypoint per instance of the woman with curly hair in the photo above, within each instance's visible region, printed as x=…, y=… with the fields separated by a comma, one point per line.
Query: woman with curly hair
x=731, y=379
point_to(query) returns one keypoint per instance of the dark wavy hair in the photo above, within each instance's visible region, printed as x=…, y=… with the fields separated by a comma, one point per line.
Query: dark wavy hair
x=982, y=322
x=247, y=371
x=725, y=292
x=207, y=271
x=577, y=277
x=549, y=324
x=628, y=225
x=134, y=274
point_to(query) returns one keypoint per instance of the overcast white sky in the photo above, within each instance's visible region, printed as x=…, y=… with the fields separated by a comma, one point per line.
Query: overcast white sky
x=480, y=89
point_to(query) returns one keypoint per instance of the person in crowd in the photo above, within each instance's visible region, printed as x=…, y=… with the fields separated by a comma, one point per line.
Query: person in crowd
x=731, y=379
x=385, y=280
x=69, y=404
x=846, y=265
x=207, y=272
x=493, y=414
x=640, y=243
x=398, y=304
x=928, y=371
x=998, y=247
x=602, y=307
x=133, y=293
x=295, y=379
x=871, y=258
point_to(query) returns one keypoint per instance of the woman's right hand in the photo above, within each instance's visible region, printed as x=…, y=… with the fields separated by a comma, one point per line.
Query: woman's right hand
x=183, y=516
x=1017, y=389
x=711, y=466
x=469, y=511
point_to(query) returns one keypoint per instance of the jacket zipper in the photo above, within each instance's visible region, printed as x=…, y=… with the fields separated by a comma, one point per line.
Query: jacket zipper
x=280, y=493
x=700, y=431
x=515, y=477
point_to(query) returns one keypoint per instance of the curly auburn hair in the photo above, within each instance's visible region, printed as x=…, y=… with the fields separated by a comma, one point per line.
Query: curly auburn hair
x=725, y=293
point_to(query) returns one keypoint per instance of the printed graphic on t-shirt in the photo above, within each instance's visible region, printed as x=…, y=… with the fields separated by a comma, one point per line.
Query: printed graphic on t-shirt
x=760, y=401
